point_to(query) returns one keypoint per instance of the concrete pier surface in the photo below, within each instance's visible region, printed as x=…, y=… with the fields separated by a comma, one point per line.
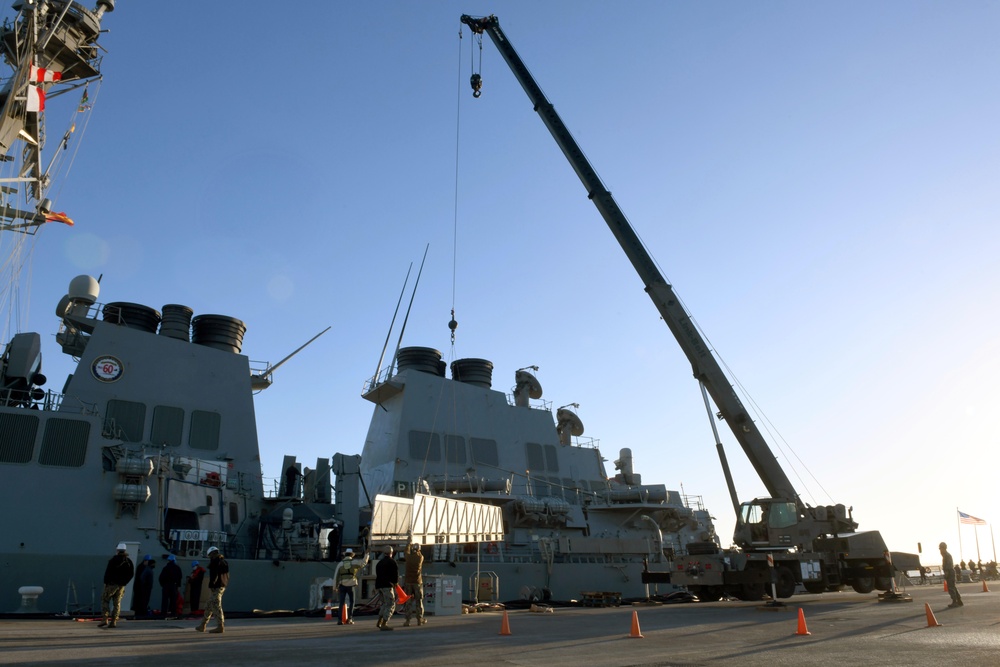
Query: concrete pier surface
x=845, y=629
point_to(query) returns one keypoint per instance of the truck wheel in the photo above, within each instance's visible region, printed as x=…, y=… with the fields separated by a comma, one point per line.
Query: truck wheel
x=815, y=587
x=751, y=592
x=863, y=585
x=785, y=585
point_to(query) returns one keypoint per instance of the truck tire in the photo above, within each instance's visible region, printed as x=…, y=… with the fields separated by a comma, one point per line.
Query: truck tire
x=751, y=592
x=815, y=587
x=785, y=582
x=863, y=585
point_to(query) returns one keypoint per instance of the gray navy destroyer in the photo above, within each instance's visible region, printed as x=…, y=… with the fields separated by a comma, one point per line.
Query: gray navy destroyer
x=152, y=439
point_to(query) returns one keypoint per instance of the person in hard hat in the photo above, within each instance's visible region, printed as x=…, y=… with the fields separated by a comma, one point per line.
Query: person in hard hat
x=948, y=566
x=195, y=581
x=116, y=577
x=171, y=577
x=386, y=578
x=218, y=580
x=143, y=588
x=414, y=585
x=346, y=576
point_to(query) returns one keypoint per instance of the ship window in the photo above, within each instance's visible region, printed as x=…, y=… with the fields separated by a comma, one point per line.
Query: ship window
x=425, y=446
x=124, y=420
x=234, y=513
x=454, y=449
x=204, y=430
x=168, y=426
x=540, y=486
x=556, y=487
x=551, y=458
x=484, y=451
x=17, y=442
x=533, y=452
x=64, y=443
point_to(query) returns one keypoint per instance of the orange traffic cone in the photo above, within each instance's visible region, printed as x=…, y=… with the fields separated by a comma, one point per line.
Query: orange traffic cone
x=401, y=596
x=945, y=585
x=931, y=621
x=802, y=630
x=343, y=614
x=504, y=624
x=985, y=589
x=635, y=634
x=329, y=613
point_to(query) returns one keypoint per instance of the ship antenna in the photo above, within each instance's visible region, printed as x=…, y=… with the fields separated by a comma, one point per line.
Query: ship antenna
x=388, y=333
x=412, y=295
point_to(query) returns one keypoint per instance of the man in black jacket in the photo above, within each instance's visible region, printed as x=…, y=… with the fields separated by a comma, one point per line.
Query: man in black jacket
x=386, y=578
x=170, y=581
x=218, y=579
x=116, y=577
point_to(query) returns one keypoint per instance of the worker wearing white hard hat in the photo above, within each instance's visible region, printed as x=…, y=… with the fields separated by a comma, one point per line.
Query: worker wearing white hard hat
x=117, y=574
x=218, y=580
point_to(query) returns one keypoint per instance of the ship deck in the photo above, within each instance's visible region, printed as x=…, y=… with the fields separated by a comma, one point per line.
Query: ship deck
x=846, y=629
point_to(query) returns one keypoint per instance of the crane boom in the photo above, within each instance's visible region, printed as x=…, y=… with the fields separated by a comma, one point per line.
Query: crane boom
x=703, y=363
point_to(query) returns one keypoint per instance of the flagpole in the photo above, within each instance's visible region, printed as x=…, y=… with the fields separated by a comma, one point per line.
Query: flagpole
x=994, y=544
x=958, y=517
x=975, y=531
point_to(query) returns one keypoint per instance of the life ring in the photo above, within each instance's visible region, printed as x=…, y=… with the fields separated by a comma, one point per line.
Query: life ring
x=491, y=547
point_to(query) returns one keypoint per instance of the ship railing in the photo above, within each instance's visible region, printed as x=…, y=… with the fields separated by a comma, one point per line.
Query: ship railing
x=532, y=403
x=51, y=401
x=693, y=502
x=588, y=443
x=375, y=380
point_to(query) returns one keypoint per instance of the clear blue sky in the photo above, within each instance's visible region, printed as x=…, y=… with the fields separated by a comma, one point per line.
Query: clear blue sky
x=818, y=180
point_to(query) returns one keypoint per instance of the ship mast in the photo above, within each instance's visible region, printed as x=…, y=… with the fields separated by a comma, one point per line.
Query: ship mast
x=51, y=50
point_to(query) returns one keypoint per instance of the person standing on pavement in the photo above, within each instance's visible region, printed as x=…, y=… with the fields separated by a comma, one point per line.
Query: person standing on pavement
x=195, y=580
x=170, y=583
x=414, y=585
x=116, y=577
x=141, y=594
x=386, y=578
x=948, y=566
x=218, y=579
x=346, y=576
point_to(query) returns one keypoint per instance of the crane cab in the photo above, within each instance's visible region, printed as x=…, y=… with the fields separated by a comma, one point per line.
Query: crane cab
x=767, y=523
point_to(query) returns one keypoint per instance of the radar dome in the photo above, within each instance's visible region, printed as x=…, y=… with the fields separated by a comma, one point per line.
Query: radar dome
x=84, y=289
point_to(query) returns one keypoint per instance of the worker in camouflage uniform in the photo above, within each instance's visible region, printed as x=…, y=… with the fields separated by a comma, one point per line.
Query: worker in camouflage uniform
x=218, y=579
x=414, y=585
x=950, y=580
x=116, y=577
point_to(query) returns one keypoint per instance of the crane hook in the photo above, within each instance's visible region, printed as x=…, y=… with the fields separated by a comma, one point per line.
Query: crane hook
x=477, y=85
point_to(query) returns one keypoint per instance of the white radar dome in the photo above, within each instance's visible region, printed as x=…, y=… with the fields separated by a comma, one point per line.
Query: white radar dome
x=84, y=289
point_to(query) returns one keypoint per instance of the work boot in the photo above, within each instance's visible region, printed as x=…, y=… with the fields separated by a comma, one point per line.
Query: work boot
x=386, y=627
x=406, y=624
x=379, y=624
x=219, y=629
x=422, y=621
x=113, y=623
x=104, y=623
x=201, y=626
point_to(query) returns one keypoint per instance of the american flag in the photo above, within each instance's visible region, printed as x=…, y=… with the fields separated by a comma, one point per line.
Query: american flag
x=968, y=518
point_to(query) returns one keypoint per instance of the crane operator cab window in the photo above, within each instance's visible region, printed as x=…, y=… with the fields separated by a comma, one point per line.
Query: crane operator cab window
x=762, y=514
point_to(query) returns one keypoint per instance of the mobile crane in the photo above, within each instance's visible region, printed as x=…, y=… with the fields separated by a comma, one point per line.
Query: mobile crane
x=779, y=540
